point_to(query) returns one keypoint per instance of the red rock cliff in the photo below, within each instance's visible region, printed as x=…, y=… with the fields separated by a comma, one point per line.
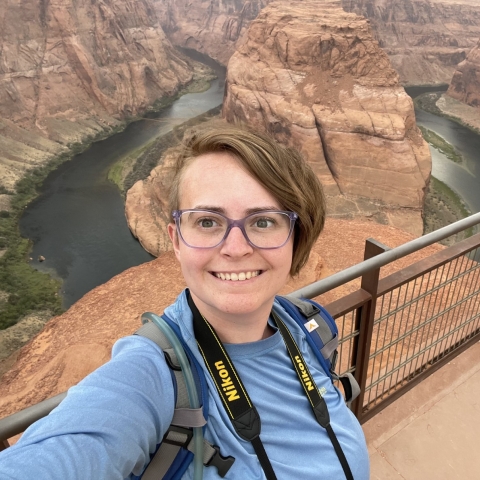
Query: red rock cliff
x=208, y=26
x=465, y=84
x=314, y=76
x=69, y=68
x=424, y=39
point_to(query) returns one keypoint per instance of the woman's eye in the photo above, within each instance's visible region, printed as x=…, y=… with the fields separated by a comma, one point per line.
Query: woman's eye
x=206, y=222
x=264, y=223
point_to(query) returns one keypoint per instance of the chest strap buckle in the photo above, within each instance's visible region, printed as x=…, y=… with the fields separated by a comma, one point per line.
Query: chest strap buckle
x=223, y=464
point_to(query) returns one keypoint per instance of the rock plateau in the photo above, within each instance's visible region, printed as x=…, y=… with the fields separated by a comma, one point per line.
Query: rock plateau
x=424, y=39
x=70, y=69
x=314, y=76
x=465, y=84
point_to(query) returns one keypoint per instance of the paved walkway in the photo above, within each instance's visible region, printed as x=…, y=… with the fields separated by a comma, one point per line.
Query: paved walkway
x=433, y=431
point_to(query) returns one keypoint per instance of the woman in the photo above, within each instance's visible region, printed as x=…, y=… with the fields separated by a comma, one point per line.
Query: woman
x=245, y=214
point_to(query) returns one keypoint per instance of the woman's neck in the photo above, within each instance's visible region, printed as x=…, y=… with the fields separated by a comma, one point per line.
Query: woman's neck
x=237, y=328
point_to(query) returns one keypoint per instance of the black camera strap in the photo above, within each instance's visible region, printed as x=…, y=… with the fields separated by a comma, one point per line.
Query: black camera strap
x=243, y=414
x=314, y=394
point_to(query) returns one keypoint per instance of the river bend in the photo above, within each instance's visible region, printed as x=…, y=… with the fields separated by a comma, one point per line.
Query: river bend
x=78, y=221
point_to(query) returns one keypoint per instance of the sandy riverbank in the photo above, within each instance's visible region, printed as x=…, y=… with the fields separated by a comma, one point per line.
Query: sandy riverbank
x=443, y=207
x=459, y=112
x=441, y=104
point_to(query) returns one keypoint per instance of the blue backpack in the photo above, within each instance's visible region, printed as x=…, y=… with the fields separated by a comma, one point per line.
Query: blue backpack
x=175, y=452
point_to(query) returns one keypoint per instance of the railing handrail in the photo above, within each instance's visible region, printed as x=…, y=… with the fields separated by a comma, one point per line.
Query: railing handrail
x=17, y=422
x=20, y=421
x=355, y=271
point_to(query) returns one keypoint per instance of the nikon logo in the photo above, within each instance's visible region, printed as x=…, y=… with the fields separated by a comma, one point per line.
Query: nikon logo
x=305, y=377
x=227, y=385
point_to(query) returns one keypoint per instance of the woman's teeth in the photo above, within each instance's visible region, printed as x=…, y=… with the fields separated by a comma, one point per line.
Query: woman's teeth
x=237, y=276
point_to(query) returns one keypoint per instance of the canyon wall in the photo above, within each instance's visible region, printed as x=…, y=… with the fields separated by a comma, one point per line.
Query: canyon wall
x=208, y=26
x=70, y=69
x=314, y=76
x=424, y=39
x=465, y=84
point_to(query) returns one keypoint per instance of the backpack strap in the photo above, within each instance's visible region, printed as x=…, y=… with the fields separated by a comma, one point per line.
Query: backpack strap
x=179, y=435
x=324, y=333
x=317, y=323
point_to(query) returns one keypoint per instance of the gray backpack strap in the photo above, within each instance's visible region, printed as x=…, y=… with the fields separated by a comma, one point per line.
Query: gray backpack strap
x=189, y=417
x=311, y=312
x=330, y=344
x=308, y=309
x=179, y=434
x=151, y=331
x=350, y=386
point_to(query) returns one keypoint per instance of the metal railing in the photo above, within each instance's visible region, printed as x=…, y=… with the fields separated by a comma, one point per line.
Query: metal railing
x=396, y=331
x=393, y=332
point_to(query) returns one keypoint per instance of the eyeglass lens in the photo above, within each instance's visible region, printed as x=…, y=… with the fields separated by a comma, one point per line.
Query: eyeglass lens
x=207, y=229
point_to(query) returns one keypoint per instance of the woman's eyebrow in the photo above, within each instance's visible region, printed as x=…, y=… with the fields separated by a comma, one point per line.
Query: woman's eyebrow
x=249, y=211
x=210, y=208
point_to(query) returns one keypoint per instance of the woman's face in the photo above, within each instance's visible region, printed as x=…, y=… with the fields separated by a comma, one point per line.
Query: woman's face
x=217, y=181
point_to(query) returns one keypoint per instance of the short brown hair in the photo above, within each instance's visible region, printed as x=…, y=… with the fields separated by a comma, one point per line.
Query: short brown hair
x=280, y=170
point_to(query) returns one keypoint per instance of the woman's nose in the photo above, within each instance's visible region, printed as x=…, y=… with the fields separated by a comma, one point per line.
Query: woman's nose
x=236, y=243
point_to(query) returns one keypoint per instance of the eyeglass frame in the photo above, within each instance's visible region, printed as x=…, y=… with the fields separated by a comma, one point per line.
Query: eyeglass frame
x=176, y=214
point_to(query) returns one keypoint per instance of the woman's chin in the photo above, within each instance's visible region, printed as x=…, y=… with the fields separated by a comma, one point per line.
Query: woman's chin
x=235, y=302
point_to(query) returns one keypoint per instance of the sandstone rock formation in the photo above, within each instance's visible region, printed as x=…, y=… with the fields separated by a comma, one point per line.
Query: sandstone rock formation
x=208, y=26
x=146, y=207
x=313, y=75
x=77, y=342
x=72, y=68
x=424, y=39
x=465, y=84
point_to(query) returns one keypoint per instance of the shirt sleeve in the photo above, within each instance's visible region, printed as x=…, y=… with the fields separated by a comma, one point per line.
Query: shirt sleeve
x=106, y=427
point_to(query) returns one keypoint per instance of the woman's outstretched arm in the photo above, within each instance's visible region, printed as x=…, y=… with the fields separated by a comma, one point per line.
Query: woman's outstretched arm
x=106, y=427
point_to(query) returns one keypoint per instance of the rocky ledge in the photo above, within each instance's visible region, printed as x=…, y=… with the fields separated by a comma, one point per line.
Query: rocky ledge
x=315, y=77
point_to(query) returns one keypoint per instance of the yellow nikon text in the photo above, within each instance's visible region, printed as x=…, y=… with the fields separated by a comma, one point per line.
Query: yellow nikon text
x=305, y=377
x=227, y=385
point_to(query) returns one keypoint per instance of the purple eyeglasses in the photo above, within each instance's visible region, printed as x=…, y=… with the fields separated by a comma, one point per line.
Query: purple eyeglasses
x=266, y=229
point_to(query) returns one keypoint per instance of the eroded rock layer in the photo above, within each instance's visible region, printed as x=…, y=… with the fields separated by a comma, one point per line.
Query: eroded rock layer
x=465, y=84
x=72, y=68
x=314, y=76
x=424, y=39
x=208, y=26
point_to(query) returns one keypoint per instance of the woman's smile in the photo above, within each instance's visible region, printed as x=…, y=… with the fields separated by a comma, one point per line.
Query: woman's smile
x=237, y=276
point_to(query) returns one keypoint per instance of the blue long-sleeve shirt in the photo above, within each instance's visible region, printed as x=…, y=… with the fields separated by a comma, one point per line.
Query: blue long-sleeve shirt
x=111, y=421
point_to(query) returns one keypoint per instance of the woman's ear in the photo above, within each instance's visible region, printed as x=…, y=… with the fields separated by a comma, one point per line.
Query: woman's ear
x=172, y=233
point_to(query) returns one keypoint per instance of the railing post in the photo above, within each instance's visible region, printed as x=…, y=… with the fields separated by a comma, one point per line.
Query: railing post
x=364, y=323
x=4, y=444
